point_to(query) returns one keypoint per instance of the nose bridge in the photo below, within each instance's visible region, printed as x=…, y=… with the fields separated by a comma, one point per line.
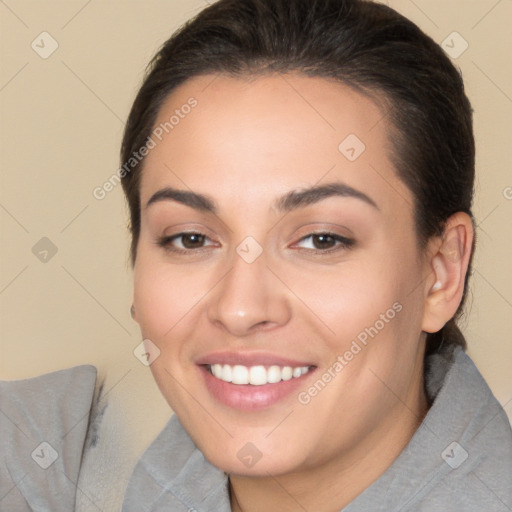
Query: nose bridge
x=249, y=296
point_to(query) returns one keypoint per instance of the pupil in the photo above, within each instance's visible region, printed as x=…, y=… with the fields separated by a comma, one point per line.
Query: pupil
x=192, y=241
x=323, y=241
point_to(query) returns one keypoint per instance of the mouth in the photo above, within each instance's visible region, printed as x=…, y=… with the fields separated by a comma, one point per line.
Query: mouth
x=249, y=383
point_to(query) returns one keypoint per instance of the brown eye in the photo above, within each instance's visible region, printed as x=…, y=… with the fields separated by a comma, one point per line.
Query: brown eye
x=181, y=242
x=192, y=240
x=325, y=242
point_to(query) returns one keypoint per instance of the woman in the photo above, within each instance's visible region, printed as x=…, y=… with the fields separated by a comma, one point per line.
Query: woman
x=300, y=178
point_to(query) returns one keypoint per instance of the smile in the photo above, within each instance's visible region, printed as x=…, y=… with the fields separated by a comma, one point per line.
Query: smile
x=253, y=380
x=256, y=375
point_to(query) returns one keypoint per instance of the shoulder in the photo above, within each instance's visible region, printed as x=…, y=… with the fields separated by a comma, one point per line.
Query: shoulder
x=43, y=426
x=471, y=438
x=460, y=458
x=174, y=475
x=478, y=455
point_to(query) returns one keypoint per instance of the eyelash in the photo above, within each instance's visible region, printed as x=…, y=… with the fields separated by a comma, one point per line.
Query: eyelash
x=343, y=243
x=166, y=242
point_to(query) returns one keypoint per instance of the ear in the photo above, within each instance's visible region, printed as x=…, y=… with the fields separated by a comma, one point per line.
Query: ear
x=448, y=260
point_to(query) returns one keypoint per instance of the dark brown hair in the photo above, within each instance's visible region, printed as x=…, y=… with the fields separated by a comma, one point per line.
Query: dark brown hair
x=363, y=44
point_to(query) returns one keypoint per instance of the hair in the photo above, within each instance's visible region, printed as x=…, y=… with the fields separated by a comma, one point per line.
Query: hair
x=365, y=45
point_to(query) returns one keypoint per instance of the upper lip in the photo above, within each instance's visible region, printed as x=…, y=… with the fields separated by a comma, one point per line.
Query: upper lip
x=250, y=359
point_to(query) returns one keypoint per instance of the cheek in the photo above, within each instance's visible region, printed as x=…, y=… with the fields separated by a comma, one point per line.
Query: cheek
x=353, y=296
x=167, y=300
x=163, y=296
x=373, y=309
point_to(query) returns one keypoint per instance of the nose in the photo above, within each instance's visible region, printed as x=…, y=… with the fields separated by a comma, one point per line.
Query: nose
x=248, y=299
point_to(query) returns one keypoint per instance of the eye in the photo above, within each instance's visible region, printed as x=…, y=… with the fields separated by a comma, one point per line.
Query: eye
x=184, y=242
x=325, y=242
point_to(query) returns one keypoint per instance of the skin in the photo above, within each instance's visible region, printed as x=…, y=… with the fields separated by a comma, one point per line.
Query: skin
x=246, y=144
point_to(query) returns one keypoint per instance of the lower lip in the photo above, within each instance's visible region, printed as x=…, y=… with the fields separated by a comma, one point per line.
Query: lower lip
x=247, y=397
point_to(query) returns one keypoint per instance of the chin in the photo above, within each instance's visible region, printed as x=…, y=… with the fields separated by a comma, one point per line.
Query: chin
x=252, y=459
x=253, y=464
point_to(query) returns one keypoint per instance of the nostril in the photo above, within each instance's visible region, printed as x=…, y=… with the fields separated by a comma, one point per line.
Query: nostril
x=262, y=324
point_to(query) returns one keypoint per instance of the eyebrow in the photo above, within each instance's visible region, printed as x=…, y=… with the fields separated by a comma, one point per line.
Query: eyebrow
x=301, y=198
x=188, y=198
x=290, y=201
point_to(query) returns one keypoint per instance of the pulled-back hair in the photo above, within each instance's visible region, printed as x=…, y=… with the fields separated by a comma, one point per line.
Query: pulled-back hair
x=362, y=44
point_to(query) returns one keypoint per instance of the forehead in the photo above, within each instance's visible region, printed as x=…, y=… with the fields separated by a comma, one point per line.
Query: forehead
x=255, y=135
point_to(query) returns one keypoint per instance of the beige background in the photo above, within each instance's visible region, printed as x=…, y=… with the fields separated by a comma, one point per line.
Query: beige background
x=62, y=120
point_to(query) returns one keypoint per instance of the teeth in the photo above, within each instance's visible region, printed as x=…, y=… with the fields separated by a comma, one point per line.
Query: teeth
x=274, y=374
x=287, y=373
x=227, y=373
x=240, y=375
x=216, y=369
x=256, y=375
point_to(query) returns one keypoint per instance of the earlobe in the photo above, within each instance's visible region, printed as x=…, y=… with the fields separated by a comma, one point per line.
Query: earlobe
x=449, y=260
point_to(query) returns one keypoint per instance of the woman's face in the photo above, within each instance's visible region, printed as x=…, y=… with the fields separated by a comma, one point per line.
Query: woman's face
x=278, y=246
